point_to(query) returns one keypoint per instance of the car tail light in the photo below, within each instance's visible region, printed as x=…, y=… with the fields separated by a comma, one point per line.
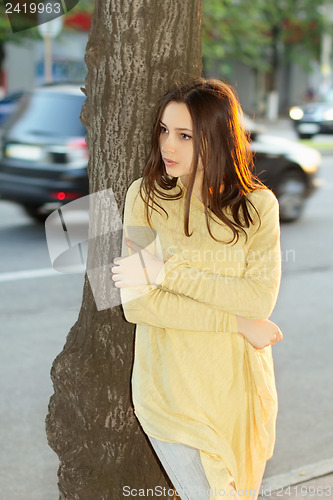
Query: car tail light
x=77, y=149
x=62, y=196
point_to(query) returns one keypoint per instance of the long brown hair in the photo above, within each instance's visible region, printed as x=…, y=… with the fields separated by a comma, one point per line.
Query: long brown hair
x=221, y=142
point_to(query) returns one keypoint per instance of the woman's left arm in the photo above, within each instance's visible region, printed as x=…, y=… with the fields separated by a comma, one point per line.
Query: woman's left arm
x=254, y=294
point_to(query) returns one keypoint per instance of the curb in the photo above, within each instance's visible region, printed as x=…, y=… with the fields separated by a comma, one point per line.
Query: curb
x=297, y=476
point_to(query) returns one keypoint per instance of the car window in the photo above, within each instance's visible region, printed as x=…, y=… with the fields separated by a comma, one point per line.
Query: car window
x=49, y=113
x=9, y=98
x=328, y=97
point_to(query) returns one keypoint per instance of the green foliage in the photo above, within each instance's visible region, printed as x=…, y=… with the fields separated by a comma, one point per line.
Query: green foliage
x=299, y=24
x=249, y=31
x=6, y=34
x=232, y=31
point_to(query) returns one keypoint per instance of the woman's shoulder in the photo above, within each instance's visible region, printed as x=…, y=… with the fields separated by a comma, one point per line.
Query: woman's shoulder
x=134, y=188
x=263, y=207
x=133, y=191
x=262, y=198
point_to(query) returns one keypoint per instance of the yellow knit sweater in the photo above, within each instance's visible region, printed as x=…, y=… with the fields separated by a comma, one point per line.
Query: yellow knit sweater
x=196, y=380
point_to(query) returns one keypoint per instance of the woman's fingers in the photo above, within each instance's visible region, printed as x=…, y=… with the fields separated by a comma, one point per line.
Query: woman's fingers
x=117, y=271
x=129, y=271
x=116, y=277
x=279, y=335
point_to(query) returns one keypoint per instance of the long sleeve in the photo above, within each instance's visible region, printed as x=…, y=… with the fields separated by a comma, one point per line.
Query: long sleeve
x=165, y=309
x=154, y=306
x=252, y=295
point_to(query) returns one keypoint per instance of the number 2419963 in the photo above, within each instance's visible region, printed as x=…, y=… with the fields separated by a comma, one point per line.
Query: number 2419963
x=315, y=491
x=32, y=8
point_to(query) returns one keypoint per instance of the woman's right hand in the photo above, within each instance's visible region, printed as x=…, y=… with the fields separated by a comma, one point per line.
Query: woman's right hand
x=259, y=332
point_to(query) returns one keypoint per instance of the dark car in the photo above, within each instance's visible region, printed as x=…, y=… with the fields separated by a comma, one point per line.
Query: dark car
x=8, y=105
x=288, y=168
x=314, y=117
x=43, y=153
x=44, y=157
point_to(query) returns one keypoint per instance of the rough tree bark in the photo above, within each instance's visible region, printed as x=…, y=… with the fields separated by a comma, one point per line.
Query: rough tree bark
x=134, y=50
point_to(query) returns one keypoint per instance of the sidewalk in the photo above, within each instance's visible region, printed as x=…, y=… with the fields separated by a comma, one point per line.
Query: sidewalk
x=317, y=483
x=314, y=489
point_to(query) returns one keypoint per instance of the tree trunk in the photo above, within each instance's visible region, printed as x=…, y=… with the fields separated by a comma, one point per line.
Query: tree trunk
x=272, y=111
x=274, y=59
x=135, y=48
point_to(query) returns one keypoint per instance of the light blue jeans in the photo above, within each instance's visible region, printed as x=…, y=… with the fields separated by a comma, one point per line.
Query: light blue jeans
x=183, y=465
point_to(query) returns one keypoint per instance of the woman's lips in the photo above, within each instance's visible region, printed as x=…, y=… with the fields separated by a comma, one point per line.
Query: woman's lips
x=168, y=162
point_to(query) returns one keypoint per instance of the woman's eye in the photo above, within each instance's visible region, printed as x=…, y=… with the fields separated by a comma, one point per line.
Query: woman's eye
x=163, y=130
x=186, y=136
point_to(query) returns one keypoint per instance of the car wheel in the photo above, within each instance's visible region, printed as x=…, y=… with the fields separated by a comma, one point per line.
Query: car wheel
x=291, y=193
x=35, y=212
x=305, y=136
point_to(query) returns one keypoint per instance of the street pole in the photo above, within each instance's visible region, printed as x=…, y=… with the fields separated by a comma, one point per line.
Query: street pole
x=49, y=28
x=326, y=49
x=48, y=77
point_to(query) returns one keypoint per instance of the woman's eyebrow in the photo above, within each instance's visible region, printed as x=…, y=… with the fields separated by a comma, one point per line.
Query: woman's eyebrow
x=181, y=128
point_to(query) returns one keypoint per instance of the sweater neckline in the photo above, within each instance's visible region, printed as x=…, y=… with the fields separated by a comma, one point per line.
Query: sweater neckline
x=194, y=198
x=195, y=201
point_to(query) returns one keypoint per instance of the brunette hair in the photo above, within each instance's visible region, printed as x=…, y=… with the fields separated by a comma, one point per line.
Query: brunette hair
x=220, y=140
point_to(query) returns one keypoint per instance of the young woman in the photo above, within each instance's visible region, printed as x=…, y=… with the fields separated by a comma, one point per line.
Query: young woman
x=200, y=278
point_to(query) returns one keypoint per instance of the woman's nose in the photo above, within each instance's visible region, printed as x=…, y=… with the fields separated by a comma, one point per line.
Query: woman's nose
x=167, y=144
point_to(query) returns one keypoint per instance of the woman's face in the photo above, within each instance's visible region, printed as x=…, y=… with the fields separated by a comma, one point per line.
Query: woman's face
x=176, y=142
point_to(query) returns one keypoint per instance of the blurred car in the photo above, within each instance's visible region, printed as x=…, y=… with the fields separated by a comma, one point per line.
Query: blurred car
x=44, y=157
x=314, y=117
x=8, y=105
x=288, y=168
x=43, y=153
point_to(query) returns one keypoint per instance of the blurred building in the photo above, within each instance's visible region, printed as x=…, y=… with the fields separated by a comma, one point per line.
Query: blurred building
x=294, y=86
x=24, y=64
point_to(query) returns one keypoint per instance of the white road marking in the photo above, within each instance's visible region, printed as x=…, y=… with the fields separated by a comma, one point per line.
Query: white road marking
x=37, y=273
